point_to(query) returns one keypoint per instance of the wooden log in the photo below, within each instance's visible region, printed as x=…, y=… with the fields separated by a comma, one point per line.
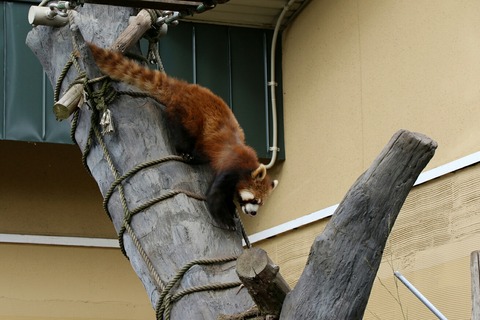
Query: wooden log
x=263, y=281
x=68, y=103
x=344, y=259
x=173, y=232
x=137, y=27
x=475, y=275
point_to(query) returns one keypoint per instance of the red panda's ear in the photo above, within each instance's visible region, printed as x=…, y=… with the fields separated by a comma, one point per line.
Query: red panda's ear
x=260, y=173
x=274, y=184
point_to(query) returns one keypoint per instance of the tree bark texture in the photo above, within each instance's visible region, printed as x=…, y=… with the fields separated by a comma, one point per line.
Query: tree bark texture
x=344, y=259
x=262, y=279
x=172, y=232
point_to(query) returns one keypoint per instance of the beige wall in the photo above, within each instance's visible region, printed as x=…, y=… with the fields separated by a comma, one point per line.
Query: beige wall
x=52, y=282
x=44, y=190
x=354, y=72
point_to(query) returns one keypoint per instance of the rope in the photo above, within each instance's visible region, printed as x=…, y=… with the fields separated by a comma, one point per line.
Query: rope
x=144, y=256
x=164, y=302
x=129, y=215
x=244, y=233
x=137, y=94
x=170, y=299
x=100, y=99
x=153, y=36
x=133, y=171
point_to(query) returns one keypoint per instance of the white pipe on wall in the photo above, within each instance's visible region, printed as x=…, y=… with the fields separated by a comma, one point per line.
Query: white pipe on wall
x=273, y=84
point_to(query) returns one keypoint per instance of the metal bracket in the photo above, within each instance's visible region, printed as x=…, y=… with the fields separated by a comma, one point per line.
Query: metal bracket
x=272, y=83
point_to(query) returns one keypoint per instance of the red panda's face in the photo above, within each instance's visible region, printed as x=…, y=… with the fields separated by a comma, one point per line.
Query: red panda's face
x=253, y=192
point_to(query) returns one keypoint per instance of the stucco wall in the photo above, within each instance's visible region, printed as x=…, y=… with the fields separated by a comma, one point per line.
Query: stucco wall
x=44, y=190
x=52, y=282
x=354, y=72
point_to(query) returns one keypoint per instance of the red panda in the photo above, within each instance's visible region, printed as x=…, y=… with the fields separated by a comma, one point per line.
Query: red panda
x=204, y=128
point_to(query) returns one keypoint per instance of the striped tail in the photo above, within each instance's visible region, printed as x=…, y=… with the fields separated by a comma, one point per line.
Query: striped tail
x=118, y=67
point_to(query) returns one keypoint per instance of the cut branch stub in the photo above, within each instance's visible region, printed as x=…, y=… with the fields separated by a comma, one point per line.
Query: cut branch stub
x=137, y=27
x=262, y=280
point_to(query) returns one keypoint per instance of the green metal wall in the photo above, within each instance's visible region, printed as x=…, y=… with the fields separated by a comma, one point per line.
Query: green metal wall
x=27, y=98
x=233, y=62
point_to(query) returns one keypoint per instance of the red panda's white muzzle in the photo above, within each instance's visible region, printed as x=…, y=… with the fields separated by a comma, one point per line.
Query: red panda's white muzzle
x=250, y=208
x=248, y=203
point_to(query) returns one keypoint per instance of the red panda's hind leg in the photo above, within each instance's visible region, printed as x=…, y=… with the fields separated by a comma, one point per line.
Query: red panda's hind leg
x=220, y=197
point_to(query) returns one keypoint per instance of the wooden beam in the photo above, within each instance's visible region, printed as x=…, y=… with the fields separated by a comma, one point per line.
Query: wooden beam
x=137, y=27
x=174, y=5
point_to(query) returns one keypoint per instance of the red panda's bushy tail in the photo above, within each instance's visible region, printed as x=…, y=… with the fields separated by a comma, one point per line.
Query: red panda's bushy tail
x=118, y=67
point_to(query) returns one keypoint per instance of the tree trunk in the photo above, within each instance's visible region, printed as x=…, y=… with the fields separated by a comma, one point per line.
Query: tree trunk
x=344, y=259
x=172, y=232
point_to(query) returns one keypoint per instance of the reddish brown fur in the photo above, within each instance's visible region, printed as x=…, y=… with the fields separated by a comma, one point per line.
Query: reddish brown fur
x=204, y=116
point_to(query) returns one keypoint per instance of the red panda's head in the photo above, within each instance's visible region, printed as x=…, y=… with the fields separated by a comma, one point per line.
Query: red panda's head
x=254, y=189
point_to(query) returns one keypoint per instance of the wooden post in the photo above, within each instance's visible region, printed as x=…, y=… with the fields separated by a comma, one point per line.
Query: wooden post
x=263, y=281
x=175, y=5
x=475, y=274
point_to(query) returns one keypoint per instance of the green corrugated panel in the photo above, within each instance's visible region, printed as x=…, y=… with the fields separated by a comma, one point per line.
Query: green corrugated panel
x=28, y=94
x=23, y=85
x=230, y=61
x=248, y=85
x=177, y=52
x=212, y=56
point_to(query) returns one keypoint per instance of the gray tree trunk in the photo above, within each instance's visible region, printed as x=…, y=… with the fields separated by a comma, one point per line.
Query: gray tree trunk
x=344, y=259
x=173, y=232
